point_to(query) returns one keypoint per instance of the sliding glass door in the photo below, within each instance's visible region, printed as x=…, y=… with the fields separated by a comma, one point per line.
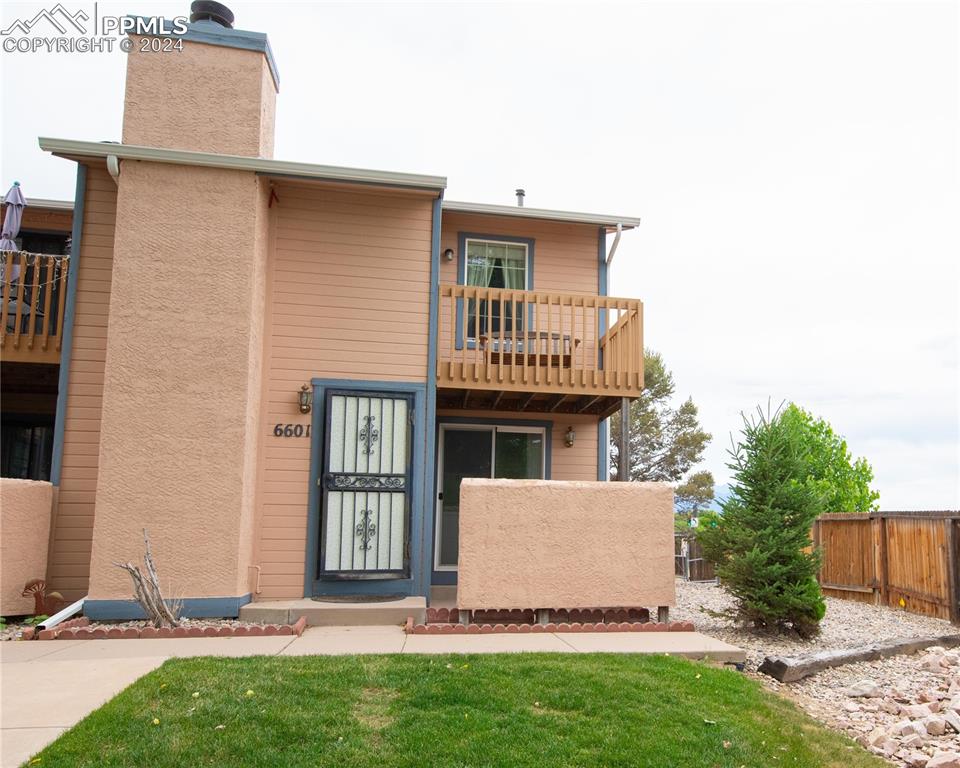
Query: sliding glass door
x=468, y=450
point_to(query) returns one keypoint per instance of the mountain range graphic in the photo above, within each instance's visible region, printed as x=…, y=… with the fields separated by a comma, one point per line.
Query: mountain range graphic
x=58, y=16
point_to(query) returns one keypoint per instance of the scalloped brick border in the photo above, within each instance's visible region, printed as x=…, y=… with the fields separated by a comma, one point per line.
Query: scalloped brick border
x=80, y=629
x=534, y=629
x=559, y=616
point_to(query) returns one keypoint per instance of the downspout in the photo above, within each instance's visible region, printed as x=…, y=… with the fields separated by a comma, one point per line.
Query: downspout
x=66, y=613
x=113, y=168
x=616, y=242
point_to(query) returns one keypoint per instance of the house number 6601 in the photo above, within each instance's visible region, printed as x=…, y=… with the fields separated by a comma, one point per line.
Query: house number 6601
x=291, y=430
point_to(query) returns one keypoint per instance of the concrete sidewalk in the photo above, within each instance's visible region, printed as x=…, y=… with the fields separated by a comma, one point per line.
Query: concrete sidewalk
x=47, y=687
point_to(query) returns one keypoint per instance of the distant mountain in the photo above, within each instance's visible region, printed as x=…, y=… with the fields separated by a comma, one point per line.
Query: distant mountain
x=720, y=492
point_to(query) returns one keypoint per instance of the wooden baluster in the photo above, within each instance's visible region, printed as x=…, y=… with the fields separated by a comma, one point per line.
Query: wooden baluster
x=52, y=282
x=536, y=337
x=525, y=335
x=489, y=333
x=62, y=300
x=628, y=384
x=35, y=299
x=453, y=333
x=622, y=345
x=513, y=337
x=21, y=278
x=549, y=339
x=596, y=341
x=5, y=301
x=476, y=334
x=640, y=345
x=608, y=347
x=500, y=313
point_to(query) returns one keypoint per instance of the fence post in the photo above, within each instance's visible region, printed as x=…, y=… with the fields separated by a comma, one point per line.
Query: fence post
x=953, y=586
x=884, y=556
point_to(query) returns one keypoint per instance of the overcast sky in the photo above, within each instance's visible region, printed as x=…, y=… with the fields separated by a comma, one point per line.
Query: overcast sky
x=795, y=166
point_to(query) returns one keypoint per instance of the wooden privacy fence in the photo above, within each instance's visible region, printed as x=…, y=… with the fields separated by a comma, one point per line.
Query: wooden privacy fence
x=688, y=559
x=901, y=559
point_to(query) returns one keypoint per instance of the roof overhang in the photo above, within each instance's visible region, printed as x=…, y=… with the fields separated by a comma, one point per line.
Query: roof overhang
x=266, y=167
x=602, y=220
x=43, y=204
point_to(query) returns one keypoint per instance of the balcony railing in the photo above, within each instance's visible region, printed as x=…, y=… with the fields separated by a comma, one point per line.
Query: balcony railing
x=539, y=341
x=34, y=293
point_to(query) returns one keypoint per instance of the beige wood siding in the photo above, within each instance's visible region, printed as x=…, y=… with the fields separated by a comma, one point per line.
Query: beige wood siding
x=576, y=463
x=69, y=564
x=564, y=258
x=348, y=298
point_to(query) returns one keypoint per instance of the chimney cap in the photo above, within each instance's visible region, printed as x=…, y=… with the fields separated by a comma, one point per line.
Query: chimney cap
x=520, y=194
x=207, y=10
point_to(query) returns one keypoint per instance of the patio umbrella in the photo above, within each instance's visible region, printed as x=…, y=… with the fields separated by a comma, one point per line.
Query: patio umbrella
x=13, y=203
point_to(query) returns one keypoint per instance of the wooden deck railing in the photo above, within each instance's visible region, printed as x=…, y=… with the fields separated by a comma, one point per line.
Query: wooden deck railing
x=497, y=338
x=32, y=302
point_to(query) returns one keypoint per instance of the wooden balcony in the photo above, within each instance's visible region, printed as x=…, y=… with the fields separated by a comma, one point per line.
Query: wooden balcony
x=32, y=302
x=537, y=350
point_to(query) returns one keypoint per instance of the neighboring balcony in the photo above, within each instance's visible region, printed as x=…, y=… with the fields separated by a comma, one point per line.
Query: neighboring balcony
x=539, y=351
x=33, y=295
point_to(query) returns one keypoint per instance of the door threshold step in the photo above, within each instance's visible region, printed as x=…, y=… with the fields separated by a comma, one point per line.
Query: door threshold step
x=347, y=614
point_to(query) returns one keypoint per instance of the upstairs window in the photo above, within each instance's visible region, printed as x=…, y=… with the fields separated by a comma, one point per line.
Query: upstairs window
x=496, y=264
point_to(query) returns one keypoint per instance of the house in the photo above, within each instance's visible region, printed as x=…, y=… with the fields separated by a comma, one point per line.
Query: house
x=283, y=370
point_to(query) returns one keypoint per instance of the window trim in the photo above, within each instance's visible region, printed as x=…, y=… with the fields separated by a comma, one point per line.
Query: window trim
x=492, y=426
x=462, y=238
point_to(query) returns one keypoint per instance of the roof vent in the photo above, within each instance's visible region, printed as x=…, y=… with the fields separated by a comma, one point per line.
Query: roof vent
x=206, y=10
x=520, y=194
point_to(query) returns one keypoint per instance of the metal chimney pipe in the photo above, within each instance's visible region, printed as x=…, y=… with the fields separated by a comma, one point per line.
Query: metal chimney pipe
x=520, y=194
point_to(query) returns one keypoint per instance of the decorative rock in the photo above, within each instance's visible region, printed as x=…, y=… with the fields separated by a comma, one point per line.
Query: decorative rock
x=935, y=725
x=944, y=760
x=952, y=719
x=864, y=687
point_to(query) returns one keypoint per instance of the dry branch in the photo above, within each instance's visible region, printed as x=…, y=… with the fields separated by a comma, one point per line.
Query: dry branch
x=146, y=589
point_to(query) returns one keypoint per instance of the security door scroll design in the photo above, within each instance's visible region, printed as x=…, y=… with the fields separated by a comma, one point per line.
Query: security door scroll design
x=366, y=485
x=368, y=434
x=366, y=529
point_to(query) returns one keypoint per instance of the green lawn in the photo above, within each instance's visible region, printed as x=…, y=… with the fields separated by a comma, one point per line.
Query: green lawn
x=484, y=710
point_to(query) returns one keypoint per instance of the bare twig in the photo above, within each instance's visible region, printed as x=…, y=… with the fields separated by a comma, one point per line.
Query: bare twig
x=146, y=590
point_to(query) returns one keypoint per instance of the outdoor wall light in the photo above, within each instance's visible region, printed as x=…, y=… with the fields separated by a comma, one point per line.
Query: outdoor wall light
x=305, y=399
x=448, y=254
x=570, y=437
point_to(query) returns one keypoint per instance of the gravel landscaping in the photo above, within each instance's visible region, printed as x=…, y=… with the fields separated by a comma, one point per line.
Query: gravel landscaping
x=910, y=713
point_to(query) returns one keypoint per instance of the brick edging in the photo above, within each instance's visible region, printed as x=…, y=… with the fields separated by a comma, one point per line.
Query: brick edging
x=534, y=629
x=79, y=629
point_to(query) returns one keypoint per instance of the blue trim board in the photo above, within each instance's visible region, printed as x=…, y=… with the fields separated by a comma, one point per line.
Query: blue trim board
x=69, y=313
x=410, y=586
x=462, y=238
x=429, y=466
x=603, y=433
x=449, y=578
x=193, y=608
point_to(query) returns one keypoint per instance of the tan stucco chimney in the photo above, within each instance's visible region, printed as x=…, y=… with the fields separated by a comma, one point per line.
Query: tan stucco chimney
x=218, y=94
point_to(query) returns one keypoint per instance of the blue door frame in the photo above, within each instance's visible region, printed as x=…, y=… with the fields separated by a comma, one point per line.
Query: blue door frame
x=419, y=581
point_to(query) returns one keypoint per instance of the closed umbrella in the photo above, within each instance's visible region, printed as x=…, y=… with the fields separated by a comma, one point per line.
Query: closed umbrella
x=13, y=203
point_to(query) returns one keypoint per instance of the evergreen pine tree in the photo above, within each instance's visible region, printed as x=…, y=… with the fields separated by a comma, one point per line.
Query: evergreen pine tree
x=762, y=543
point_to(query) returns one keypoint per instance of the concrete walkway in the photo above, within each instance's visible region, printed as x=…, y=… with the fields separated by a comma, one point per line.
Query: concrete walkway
x=47, y=687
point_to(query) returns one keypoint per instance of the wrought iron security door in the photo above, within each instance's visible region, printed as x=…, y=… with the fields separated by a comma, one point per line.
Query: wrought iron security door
x=366, y=484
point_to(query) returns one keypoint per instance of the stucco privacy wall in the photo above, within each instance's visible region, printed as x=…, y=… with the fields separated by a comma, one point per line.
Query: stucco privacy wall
x=204, y=98
x=182, y=374
x=348, y=293
x=578, y=462
x=548, y=544
x=25, y=509
x=69, y=563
